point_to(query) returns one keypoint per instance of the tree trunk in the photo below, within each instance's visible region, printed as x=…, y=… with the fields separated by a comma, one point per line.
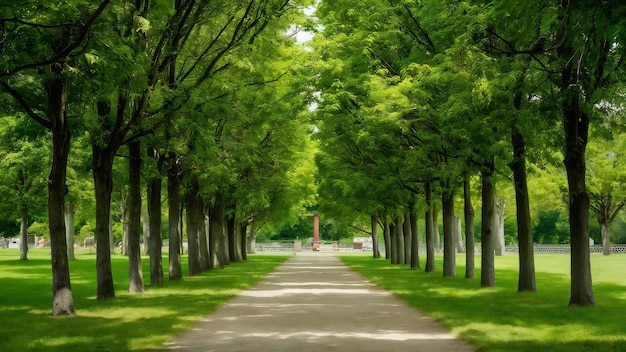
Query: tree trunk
x=218, y=232
x=606, y=237
x=193, y=245
x=487, y=269
x=406, y=229
x=173, y=203
x=56, y=90
x=251, y=241
x=244, y=241
x=393, y=236
x=24, y=232
x=374, y=226
x=145, y=221
x=468, y=211
x=135, y=272
x=156, y=237
x=387, y=238
x=232, y=239
x=110, y=230
x=449, y=255
x=458, y=236
x=70, y=211
x=436, y=234
x=103, y=183
x=124, y=214
x=430, y=243
x=498, y=227
x=415, y=256
x=526, y=281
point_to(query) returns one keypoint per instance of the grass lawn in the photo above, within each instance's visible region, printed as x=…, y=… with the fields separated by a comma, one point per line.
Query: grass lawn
x=499, y=318
x=140, y=322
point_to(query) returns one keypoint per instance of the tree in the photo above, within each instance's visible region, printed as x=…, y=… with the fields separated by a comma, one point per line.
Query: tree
x=39, y=47
x=606, y=178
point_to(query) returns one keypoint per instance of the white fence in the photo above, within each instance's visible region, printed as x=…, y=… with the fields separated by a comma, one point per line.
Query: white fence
x=346, y=248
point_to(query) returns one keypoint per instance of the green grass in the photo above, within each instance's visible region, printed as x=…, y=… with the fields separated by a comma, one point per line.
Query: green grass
x=140, y=322
x=500, y=319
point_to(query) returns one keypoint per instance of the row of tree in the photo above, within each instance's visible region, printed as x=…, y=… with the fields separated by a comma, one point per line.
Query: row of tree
x=418, y=98
x=205, y=100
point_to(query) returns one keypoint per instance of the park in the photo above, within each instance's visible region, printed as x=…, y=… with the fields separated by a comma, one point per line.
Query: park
x=163, y=162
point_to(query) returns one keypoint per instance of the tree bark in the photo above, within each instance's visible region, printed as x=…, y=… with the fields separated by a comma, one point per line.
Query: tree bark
x=393, y=237
x=436, y=233
x=218, y=232
x=415, y=256
x=70, y=211
x=232, y=239
x=406, y=230
x=468, y=211
x=526, y=281
x=156, y=237
x=56, y=91
x=498, y=227
x=374, y=227
x=124, y=214
x=487, y=269
x=387, y=238
x=193, y=245
x=430, y=241
x=244, y=241
x=173, y=204
x=458, y=236
x=449, y=254
x=103, y=183
x=606, y=237
x=145, y=221
x=135, y=272
x=24, y=232
x=251, y=240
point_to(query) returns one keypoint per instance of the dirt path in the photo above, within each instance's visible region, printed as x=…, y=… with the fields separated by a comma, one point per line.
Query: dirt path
x=316, y=303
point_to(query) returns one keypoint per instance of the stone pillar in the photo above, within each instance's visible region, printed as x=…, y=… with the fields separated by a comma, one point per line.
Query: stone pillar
x=316, y=232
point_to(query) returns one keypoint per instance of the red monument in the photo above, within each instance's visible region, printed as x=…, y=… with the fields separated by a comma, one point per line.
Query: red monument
x=316, y=232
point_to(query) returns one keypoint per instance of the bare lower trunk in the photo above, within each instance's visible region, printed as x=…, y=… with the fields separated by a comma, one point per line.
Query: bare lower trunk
x=468, y=211
x=449, y=255
x=430, y=241
x=606, y=238
x=135, y=273
x=498, y=227
x=393, y=236
x=406, y=230
x=103, y=182
x=387, y=238
x=374, y=227
x=56, y=91
x=218, y=233
x=156, y=238
x=487, y=269
x=70, y=211
x=193, y=245
x=24, y=233
x=251, y=241
x=526, y=281
x=145, y=221
x=458, y=236
x=415, y=256
x=173, y=203
x=231, y=230
x=436, y=233
x=124, y=214
x=244, y=241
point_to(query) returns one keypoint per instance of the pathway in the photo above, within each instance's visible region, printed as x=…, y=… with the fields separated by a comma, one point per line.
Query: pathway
x=316, y=303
